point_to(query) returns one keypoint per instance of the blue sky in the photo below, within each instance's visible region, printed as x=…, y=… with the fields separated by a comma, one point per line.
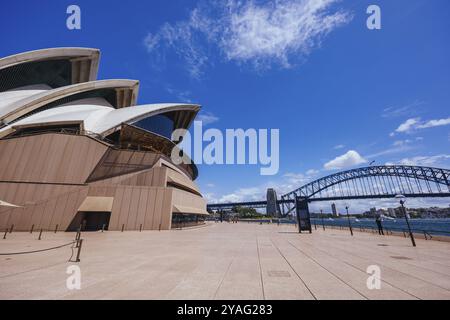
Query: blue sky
x=342, y=95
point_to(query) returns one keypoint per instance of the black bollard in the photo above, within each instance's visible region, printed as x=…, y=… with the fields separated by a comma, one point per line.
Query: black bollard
x=56, y=229
x=12, y=227
x=78, y=234
x=4, y=236
x=32, y=227
x=80, y=242
x=123, y=226
x=40, y=235
x=140, y=228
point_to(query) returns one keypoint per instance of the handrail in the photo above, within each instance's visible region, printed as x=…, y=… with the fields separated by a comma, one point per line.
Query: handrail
x=356, y=225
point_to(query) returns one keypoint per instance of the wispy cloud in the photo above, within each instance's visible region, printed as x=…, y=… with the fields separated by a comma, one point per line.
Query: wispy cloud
x=243, y=194
x=434, y=160
x=402, y=111
x=339, y=146
x=414, y=124
x=349, y=159
x=398, y=146
x=261, y=34
x=434, y=123
x=181, y=95
x=207, y=118
x=286, y=183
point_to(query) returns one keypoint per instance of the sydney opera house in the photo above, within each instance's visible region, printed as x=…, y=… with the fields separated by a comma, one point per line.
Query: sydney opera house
x=76, y=151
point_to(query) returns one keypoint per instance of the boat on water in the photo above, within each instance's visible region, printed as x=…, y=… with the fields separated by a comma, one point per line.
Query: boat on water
x=387, y=218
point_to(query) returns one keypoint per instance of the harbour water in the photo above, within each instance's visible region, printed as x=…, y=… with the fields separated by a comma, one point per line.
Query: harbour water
x=431, y=226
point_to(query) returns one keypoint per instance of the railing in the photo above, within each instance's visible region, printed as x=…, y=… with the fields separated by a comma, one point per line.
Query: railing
x=427, y=232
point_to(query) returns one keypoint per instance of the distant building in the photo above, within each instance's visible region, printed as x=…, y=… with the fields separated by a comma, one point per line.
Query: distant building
x=334, y=210
x=391, y=212
x=272, y=208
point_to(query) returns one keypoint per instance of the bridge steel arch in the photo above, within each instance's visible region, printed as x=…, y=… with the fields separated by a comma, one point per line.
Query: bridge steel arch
x=373, y=182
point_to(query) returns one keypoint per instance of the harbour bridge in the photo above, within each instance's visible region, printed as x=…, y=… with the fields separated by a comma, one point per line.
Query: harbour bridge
x=373, y=182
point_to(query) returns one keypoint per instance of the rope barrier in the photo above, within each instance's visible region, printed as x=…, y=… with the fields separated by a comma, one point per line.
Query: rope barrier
x=35, y=251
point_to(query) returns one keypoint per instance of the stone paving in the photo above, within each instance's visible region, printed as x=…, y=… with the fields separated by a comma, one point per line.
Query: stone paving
x=225, y=261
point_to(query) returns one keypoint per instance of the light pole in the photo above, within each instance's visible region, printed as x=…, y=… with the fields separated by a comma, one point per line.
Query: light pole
x=349, y=222
x=402, y=202
x=323, y=224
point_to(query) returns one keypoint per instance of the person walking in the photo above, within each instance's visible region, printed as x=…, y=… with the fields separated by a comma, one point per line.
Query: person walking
x=379, y=225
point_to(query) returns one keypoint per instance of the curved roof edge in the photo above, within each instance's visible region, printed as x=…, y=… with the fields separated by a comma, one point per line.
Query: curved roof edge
x=186, y=113
x=75, y=54
x=109, y=120
x=126, y=95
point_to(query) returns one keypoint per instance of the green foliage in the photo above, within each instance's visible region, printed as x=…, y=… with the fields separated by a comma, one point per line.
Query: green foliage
x=246, y=213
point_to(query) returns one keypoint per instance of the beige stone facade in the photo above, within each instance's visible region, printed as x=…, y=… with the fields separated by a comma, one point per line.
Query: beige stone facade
x=78, y=158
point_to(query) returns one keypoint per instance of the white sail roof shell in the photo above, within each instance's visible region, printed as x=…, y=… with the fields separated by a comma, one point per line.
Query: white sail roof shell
x=11, y=97
x=97, y=115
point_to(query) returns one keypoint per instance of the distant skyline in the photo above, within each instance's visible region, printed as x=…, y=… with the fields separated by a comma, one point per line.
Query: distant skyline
x=341, y=95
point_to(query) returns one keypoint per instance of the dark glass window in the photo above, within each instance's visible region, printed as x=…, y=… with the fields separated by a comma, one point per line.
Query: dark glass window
x=181, y=220
x=161, y=124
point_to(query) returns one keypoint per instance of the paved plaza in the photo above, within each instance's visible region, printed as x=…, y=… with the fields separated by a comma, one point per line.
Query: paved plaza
x=225, y=261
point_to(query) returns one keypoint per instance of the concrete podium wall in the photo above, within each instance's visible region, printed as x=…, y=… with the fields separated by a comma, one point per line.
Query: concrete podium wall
x=47, y=174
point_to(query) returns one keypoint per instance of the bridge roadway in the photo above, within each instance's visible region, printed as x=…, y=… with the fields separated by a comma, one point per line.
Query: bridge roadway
x=262, y=204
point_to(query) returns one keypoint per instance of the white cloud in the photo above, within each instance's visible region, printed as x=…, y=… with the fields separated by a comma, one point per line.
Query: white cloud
x=182, y=38
x=207, y=118
x=435, y=123
x=351, y=158
x=312, y=172
x=401, y=143
x=407, y=110
x=339, y=146
x=441, y=159
x=274, y=30
x=259, y=33
x=397, y=147
x=182, y=96
x=414, y=124
x=288, y=182
x=210, y=197
x=408, y=125
x=243, y=194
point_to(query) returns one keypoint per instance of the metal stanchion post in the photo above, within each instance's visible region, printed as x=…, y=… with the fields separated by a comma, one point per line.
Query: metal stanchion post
x=56, y=228
x=4, y=236
x=80, y=242
x=12, y=227
x=123, y=226
x=40, y=234
x=323, y=224
x=349, y=223
x=32, y=227
x=407, y=223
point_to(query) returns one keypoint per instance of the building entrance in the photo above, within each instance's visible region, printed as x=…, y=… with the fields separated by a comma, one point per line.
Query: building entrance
x=90, y=221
